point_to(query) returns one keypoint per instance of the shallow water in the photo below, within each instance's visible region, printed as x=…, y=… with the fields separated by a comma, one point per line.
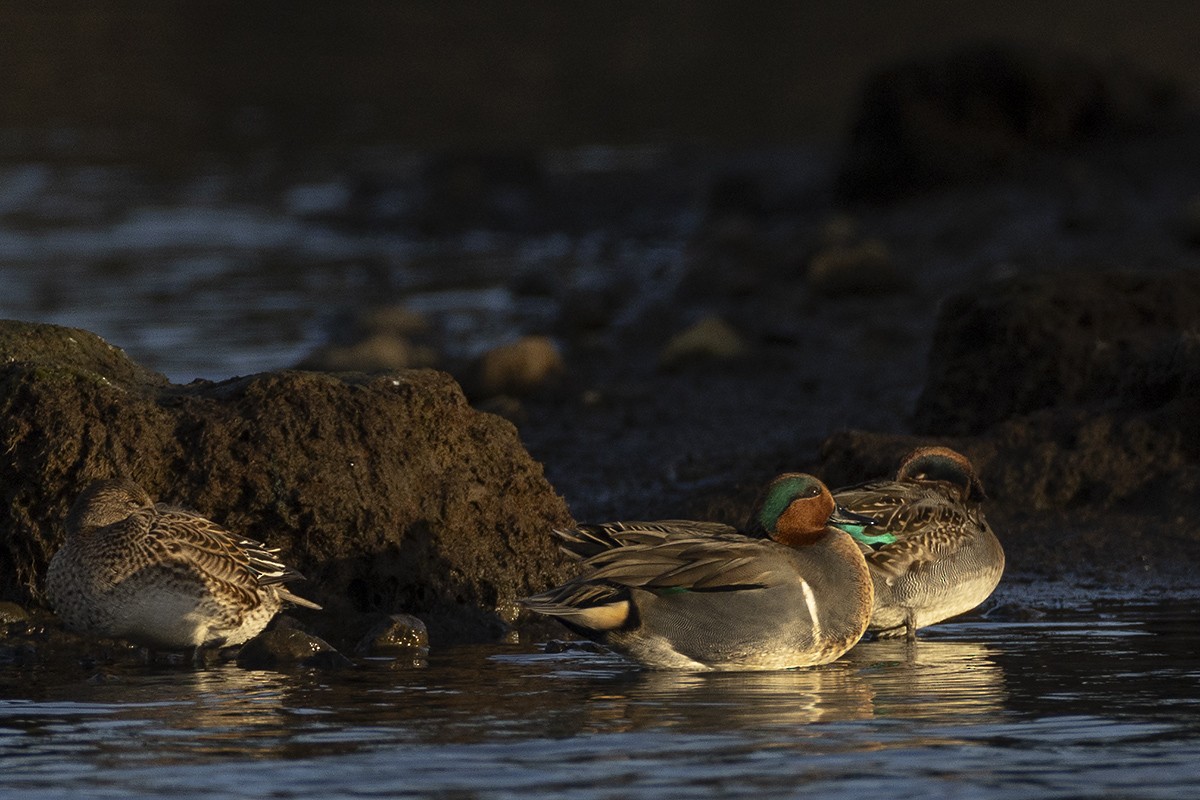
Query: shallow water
x=1099, y=701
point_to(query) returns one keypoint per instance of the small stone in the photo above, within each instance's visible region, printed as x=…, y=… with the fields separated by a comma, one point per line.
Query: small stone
x=380, y=352
x=839, y=230
x=11, y=612
x=398, y=321
x=519, y=368
x=280, y=648
x=710, y=338
x=398, y=634
x=863, y=268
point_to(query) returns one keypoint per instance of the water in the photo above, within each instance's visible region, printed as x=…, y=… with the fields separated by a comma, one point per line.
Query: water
x=1092, y=702
x=202, y=275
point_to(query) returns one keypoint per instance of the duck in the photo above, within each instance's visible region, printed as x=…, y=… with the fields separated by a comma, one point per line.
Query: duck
x=932, y=554
x=700, y=596
x=162, y=576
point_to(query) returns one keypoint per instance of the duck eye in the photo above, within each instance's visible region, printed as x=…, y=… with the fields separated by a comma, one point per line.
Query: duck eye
x=811, y=491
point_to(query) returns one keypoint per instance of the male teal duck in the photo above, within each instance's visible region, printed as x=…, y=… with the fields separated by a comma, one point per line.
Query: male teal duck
x=162, y=576
x=678, y=594
x=934, y=555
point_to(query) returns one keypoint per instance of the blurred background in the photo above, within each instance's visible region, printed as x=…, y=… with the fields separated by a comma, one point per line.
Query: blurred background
x=222, y=187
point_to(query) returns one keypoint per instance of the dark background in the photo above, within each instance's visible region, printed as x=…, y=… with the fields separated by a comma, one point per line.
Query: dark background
x=159, y=79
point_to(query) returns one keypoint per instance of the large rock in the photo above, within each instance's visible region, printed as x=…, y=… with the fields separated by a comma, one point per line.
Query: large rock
x=966, y=113
x=389, y=492
x=1095, y=340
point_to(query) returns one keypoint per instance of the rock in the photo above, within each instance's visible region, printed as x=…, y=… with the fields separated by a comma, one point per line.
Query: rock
x=379, y=352
x=64, y=351
x=968, y=113
x=374, y=340
x=862, y=268
x=1068, y=391
x=710, y=338
x=396, y=634
x=519, y=368
x=390, y=320
x=1015, y=346
x=11, y=612
x=283, y=647
x=387, y=492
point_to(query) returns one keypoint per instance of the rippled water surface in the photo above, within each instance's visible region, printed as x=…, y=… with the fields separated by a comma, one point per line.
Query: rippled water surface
x=1098, y=702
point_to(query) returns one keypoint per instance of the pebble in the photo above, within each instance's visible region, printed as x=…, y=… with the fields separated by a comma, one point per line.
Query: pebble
x=283, y=647
x=709, y=339
x=520, y=368
x=397, y=634
x=380, y=352
x=862, y=268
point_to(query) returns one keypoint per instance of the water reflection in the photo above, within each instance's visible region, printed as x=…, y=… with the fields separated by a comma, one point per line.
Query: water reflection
x=987, y=709
x=720, y=702
x=931, y=679
x=471, y=694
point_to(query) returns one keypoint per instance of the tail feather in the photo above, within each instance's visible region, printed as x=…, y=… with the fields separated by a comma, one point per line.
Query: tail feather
x=585, y=607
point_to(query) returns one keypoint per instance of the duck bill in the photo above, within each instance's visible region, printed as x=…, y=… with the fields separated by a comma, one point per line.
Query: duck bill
x=861, y=527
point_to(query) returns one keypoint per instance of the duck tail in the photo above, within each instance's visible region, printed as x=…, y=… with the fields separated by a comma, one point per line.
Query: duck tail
x=586, y=608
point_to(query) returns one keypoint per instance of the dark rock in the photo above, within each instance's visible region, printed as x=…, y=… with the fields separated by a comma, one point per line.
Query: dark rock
x=1028, y=343
x=957, y=116
x=390, y=493
x=396, y=634
x=284, y=647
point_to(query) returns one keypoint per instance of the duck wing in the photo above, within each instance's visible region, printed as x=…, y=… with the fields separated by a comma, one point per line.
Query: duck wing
x=927, y=520
x=216, y=551
x=587, y=541
x=667, y=565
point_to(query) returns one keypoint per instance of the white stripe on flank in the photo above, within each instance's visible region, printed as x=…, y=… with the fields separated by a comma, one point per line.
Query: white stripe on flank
x=810, y=600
